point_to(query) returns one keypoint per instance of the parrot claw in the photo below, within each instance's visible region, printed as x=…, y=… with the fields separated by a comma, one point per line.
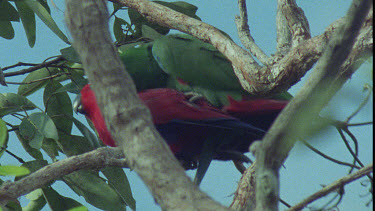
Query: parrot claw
x=186, y=163
x=194, y=97
x=239, y=165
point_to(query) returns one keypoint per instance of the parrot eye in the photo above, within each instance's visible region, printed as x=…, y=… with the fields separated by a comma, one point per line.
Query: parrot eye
x=77, y=105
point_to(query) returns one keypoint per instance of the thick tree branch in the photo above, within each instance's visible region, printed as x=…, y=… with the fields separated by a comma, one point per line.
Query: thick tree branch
x=283, y=35
x=267, y=80
x=243, y=30
x=334, y=186
x=128, y=119
x=325, y=81
x=296, y=19
x=95, y=159
x=244, y=197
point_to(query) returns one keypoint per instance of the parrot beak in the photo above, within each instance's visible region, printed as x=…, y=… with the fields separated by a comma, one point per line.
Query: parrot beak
x=77, y=105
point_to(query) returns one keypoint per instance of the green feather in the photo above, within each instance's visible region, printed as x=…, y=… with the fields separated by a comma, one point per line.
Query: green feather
x=142, y=67
x=195, y=62
x=170, y=59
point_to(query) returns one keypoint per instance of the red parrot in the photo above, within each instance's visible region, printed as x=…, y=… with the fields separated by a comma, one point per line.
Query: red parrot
x=189, y=126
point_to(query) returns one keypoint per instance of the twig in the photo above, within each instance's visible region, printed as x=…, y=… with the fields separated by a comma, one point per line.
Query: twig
x=364, y=102
x=2, y=78
x=95, y=159
x=41, y=79
x=354, y=154
x=31, y=69
x=332, y=187
x=243, y=30
x=19, y=64
x=360, y=124
x=328, y=157
x=15, y=156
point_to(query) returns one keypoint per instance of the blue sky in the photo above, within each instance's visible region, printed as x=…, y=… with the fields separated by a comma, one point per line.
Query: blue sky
x=304, y=171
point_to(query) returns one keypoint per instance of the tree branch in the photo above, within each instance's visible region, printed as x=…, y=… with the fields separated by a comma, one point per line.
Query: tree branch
x=244, y=197
x=283, y=35
x=296, y=19
x=282, y=71
x=245, y=36
x=325, y=81
x=95, y=159
x=31, y=69
x=127, y=118
x=332, y=187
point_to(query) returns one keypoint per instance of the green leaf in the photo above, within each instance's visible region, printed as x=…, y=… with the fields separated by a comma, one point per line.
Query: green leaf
x=28, y=20
x=8, y=12
x=35, y=153
x=6, y=30
x=81, y=208
x=45, y=5
x=182, y=7
x=44, y=15
x=34, y=165
x=37, y=201
x=39, y=78
x=74, y=145
x=73, y=87
x=93, y=140
x=57, y=201
x=37, y=127
x=95, y=190
x=78, y=81
x=13, y=205
x=116, y=6
x=13, y=171
x=33, y=81
x=138, y=20
x=149, y=32
x=117, y=180
x=58, y=107
x=4, y=137
x=51, y=148
x=118, y=29
x=70, y=54
x=11, y=103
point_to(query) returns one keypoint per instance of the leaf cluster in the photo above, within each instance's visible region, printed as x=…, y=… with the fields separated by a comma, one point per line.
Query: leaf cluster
x=45, y=133
x=25, y=11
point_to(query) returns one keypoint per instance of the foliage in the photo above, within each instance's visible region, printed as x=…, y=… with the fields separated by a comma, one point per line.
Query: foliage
x=46, y=133
x=48, y=130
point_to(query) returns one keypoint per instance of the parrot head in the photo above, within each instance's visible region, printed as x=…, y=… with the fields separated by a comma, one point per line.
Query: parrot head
x=85, y=103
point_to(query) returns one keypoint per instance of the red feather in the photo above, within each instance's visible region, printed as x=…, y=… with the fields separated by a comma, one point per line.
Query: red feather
x=165, y=105
x=93, y=112
x=168, y=104
x=254, y=107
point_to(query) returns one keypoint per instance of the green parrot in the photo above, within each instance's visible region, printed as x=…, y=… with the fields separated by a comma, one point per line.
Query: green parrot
x=187, y=64
x=184, y=63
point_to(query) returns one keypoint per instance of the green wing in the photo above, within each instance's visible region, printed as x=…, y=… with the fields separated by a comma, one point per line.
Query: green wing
x=142, y=67
x=185, y=63
x=199, y=65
